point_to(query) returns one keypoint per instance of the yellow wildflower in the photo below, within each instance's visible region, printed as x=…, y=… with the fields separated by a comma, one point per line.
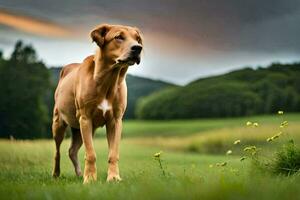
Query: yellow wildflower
x=237, y=142
x=285, y=123
x=275, y=137
x=229, y=152
x=250, y=148
x=249, y=123
x=280, y=112
x=158, y=154
x=243, y=158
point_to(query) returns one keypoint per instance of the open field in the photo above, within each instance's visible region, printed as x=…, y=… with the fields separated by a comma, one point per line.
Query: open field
x=218, y=141
x=26, y=166
x=213, y=136
x=168, y=128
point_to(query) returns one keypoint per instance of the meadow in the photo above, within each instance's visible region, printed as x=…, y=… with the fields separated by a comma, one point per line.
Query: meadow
x=188, y=160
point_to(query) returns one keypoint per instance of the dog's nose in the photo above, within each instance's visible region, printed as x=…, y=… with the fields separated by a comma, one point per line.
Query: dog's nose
x=136, y=49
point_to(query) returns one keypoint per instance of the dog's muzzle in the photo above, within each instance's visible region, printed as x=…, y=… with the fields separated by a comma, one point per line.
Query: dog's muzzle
x=133, y=57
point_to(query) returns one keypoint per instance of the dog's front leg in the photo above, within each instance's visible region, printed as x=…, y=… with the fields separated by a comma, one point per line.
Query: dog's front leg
x=86, y=128
x=113, y=131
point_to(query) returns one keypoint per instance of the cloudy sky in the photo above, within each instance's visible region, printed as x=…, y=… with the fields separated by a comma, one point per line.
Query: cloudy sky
x=184, y=40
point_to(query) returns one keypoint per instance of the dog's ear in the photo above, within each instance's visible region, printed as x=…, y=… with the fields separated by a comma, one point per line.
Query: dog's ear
x=98, y=34
x=140, y=35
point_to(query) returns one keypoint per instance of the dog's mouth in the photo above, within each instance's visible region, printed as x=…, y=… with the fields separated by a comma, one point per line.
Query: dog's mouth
x=130, y=60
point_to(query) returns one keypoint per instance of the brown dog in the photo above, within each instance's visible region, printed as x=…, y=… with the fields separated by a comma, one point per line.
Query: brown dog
x=94, y=93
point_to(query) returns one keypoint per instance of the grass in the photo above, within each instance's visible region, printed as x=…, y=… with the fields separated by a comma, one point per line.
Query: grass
x=219, y=140
x=25, y=167
x=182, y=128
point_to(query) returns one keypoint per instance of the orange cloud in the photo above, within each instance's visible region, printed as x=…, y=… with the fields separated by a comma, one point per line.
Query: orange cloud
x=33, y=26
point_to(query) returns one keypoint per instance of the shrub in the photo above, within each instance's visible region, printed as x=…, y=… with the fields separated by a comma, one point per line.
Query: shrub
x=287, y=160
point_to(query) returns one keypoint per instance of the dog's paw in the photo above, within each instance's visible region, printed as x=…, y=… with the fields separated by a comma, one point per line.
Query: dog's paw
x=89, y=178
x=113, y=178
x=55, y=173
x=90, y=174
x=78, y=172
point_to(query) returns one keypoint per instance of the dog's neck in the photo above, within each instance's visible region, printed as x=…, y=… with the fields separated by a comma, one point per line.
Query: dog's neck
x=108, y=75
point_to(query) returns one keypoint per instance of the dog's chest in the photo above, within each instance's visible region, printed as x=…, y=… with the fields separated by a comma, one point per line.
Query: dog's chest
x=104, y=106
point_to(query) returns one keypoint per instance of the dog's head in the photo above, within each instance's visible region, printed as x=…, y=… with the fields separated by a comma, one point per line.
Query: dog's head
x=119, y=44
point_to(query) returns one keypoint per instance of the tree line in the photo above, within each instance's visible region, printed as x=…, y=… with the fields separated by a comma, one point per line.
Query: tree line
x=238, y=93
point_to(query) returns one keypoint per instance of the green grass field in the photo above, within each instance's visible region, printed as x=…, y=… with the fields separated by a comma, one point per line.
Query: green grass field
x=25, y=167
x=169, y=128
x=218, y=136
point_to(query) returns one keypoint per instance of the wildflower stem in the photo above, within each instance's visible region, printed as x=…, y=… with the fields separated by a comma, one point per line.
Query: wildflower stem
x=161, y=167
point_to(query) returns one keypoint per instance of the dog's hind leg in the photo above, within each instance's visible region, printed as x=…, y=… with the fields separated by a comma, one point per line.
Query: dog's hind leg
x=76, y=143
x=58, y=131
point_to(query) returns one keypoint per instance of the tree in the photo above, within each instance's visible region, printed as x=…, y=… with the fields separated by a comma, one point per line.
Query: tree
x=24, y=81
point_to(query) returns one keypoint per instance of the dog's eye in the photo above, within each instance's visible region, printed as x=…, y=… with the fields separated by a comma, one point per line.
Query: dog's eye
x=139, y=40
x=119, y=38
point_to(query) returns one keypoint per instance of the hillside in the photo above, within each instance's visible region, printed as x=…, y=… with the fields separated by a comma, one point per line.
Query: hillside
x=137, y=87
x=238, y=93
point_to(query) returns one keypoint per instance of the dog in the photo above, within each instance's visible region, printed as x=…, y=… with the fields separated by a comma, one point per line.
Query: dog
x=92, y=94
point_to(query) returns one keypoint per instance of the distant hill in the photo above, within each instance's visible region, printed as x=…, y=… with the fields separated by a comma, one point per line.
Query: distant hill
x=238, y=93
x=140, y=87
x=137, y=87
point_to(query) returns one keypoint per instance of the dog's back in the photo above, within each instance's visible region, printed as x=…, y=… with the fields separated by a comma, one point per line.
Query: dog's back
x=67, y=69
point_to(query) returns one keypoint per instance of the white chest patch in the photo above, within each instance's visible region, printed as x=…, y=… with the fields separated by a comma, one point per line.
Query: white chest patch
x=104, y=106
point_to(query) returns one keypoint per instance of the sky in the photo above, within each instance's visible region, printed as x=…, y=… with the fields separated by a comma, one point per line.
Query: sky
x=184, y=40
